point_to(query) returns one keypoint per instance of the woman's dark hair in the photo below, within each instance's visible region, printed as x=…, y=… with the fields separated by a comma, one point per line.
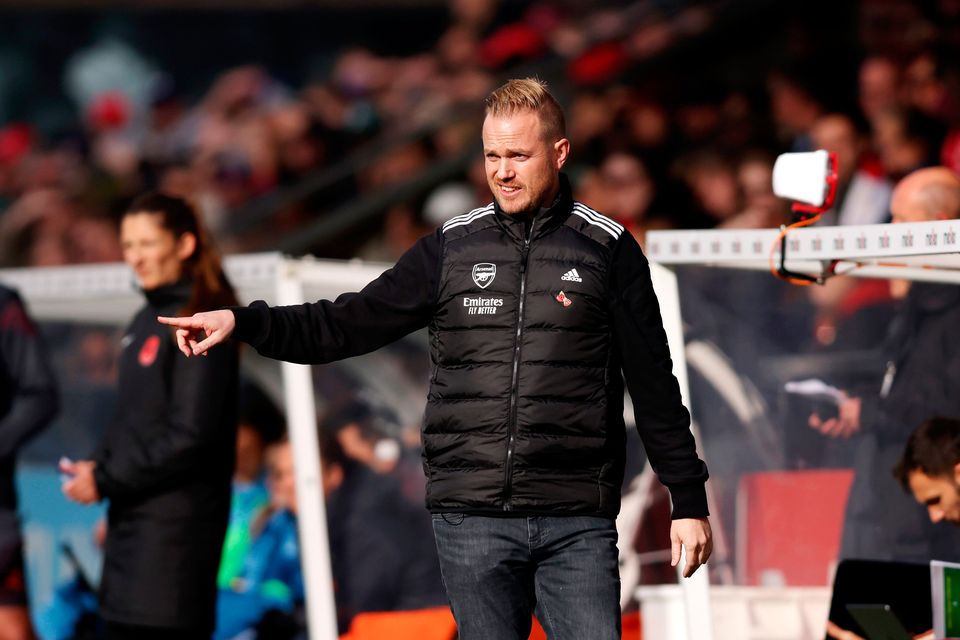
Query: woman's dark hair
x=933, y=448
x=211, y=289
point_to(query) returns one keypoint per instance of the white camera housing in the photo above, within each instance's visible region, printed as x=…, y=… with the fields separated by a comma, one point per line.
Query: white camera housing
x=802, y=177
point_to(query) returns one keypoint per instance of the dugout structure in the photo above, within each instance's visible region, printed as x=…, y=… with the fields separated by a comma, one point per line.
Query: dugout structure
x=923, y=251
x=105, y=295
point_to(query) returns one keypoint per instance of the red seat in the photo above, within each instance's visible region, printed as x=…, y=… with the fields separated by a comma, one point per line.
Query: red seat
x=789, y=523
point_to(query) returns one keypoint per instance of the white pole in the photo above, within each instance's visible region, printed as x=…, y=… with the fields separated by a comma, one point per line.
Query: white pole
x=312, y=516
x=696, y=589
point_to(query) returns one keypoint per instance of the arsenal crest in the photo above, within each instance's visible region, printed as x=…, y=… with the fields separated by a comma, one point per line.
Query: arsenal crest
x=484, y=273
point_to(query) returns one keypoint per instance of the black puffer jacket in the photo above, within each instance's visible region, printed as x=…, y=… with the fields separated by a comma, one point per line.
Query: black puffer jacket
x=529, y=332
x=166, y=464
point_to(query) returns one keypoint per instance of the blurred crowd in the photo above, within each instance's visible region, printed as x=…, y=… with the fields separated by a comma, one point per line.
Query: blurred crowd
x=676, y=111
x=674, y=119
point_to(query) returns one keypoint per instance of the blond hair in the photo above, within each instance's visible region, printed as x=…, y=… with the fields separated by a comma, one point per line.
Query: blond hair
x=529, y=94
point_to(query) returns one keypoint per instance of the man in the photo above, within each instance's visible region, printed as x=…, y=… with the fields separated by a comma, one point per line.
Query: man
x=28, y=402
x=929, y=468
x=268, y=585
x=862, y=196
x=381, y=548
x=922, y=376
x=535, y=304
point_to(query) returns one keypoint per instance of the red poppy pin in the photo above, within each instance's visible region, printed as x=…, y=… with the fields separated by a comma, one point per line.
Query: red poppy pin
x=563, y=299
x=149, y=350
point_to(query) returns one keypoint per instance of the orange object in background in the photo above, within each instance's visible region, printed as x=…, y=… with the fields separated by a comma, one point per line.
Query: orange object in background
x=789, y=525
x=438, y=624
x=422, y=624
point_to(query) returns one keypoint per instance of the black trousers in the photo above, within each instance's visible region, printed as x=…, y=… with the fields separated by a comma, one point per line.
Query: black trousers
x=117, y=631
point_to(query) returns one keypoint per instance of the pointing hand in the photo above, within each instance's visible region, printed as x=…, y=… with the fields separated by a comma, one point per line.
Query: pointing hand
x=201, y=331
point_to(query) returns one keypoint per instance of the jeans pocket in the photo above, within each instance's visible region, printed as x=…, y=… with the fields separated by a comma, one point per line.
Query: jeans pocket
x=452, y=519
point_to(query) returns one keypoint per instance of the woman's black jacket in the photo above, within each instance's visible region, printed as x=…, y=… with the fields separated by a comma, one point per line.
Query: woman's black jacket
x=165, y=465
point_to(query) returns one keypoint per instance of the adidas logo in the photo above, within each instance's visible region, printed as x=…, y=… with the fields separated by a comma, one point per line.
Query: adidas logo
x=571, y=276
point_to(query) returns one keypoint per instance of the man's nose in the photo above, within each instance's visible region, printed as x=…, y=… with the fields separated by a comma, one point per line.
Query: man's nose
x=504, y=169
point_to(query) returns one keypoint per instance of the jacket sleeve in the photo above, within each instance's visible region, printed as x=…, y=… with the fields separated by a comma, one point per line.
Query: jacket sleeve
x=662, y=420
x=24, y=368
x=201, y=390
x=400, y=301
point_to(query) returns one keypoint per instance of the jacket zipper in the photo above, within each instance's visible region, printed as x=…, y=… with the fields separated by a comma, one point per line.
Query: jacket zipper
x=515, y=378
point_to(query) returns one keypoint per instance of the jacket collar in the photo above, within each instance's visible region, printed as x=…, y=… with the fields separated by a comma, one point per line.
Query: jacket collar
x=930, y=298
x=169, y=295
x=544, y=220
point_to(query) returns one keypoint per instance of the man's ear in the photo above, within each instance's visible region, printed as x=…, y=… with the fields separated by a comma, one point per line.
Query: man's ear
x=561, y=149
x=956, y=473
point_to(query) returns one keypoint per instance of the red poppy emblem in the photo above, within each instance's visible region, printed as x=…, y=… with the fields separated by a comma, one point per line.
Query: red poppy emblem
x=149, y=350
x=563, y=299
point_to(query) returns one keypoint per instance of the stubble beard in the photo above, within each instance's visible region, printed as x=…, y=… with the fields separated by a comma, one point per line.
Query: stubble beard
x=531, y=204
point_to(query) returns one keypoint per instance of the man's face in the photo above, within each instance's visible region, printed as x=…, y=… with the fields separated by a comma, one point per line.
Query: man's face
x=281, y=481
x=837, y=134
x=939, y=494
x=522, y=166
x=905, y=207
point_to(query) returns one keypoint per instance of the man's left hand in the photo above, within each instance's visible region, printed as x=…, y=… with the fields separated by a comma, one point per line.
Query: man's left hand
x=847, y=422
x=695, y=536
x=81, y=487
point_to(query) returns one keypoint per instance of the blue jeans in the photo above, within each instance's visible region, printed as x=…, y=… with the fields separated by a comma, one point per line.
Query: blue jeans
x=497, y=571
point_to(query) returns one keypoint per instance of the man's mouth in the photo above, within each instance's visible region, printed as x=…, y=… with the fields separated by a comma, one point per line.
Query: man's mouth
x=508, y=189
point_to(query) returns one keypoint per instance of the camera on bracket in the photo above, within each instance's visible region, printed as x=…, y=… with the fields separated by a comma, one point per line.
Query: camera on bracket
x=809, y=179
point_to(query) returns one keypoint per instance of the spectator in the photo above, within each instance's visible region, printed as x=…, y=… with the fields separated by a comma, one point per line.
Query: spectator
x=794, y=107
x=363, y=437
x=368, y=437
x=629, y=193
x=761, y=208
x=381, y=546
x=922, y=374
x=879, y=86
x=863, y=197
x=268, y=590
x=906, y=140
x=259, y=425
x=713, y=186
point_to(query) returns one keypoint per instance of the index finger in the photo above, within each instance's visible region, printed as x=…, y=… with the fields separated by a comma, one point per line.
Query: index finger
x=188, y=322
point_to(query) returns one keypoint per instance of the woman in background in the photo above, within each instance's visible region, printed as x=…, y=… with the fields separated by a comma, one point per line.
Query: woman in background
x=166, y=461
